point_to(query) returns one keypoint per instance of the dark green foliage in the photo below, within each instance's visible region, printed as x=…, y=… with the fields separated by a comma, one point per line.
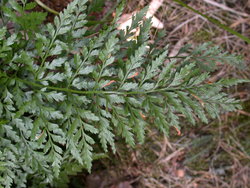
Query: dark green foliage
x=95, y=6
x=65, y=95
x=28, y=22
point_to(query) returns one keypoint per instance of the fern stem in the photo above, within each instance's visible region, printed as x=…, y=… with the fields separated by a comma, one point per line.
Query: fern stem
x=102, y=91
x=78, y=69
x=41, y=4
x=173, y=57
x=49, y=48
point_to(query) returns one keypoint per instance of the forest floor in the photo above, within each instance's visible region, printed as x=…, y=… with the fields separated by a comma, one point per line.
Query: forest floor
x=204, y=156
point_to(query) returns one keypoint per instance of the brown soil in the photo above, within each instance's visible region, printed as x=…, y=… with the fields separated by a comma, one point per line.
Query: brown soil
x=57, y=5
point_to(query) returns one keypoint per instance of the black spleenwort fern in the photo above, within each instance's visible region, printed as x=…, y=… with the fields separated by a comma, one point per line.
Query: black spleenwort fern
x=64, y=93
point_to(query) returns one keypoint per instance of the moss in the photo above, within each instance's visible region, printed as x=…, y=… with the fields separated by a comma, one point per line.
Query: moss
x=202, y=36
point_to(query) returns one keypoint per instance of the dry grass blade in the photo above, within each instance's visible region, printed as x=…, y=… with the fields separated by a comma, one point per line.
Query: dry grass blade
x=224, y=7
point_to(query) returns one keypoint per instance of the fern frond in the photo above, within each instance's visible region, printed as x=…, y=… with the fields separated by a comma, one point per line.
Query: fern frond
x=65, y=94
